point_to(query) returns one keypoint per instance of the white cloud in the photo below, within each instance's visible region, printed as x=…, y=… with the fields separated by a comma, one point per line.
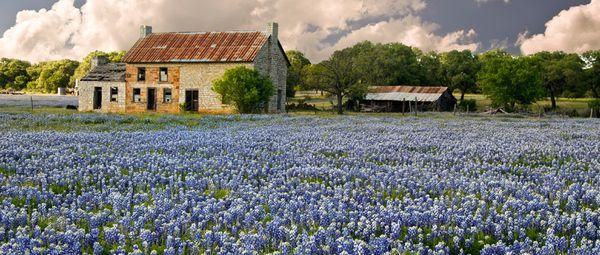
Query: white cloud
x=410, y=30
x=573, y=30
x=313, y=26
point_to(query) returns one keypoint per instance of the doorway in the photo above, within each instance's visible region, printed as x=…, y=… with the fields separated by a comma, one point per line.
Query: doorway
x=151, y=99
x=97, y=98
x=191, y=100
x=279, y=99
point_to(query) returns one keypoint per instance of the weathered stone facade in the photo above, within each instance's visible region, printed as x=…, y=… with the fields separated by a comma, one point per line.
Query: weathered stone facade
x=152, y=81
x=190, y=75
x=86, y=96
x=271, y=61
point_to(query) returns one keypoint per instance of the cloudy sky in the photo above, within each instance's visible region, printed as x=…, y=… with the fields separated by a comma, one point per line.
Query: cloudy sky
x=39, y=30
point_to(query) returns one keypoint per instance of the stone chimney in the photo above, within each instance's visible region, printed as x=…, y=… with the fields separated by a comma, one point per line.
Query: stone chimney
x=145, y=31
x=273, y=31
x=98, y=61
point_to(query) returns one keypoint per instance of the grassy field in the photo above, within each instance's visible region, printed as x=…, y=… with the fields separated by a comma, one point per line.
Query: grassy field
x=567, y=106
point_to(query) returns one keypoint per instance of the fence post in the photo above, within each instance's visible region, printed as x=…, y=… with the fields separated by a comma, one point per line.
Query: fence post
x=31, y=99
x=454, y=109
x=467, y=109
x=403, y=105
x=416, y=107
x=591, y=113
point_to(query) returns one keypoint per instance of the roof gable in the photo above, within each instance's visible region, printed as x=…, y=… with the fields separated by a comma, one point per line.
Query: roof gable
x=197, y=47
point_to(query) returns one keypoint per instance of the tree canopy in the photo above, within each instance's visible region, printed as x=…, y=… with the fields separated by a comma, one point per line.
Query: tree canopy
x=47, y=77
x=592, y=72
x=13, y=74
x=339, y=75
x=460, y=68
x=509, y=80
x=245, y=88
x=296, y=77
x=559, y=71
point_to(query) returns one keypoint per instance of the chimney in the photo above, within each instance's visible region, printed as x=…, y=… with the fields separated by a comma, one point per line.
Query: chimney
x=273, y=31
x=145, y=31
x=98, y=61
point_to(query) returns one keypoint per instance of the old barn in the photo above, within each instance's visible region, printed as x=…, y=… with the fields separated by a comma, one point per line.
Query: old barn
x=408, y=98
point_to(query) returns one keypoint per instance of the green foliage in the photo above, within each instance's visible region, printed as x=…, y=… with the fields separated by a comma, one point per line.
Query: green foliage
x=595, y=105
x=592, y=72
x=461, y=69
x=509, y=80
x=13, y=74
x=559, y=72
x=337, y=75
x=245, y=88
x=85, y=66
x=47, y=77
x=296, y=77
x=468, y=104
x=431, y=68
x=386, y=64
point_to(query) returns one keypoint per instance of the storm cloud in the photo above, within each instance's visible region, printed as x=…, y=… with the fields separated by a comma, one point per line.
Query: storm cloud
x=573, y=30
x=313, y=26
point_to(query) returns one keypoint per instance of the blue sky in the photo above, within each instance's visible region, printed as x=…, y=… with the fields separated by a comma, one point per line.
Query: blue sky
x=429, y=24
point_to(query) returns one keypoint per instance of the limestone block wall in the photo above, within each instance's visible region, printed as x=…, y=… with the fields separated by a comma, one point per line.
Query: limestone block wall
x=271, y=61
x=86, y=96
x=200, y=76
x=152, y=81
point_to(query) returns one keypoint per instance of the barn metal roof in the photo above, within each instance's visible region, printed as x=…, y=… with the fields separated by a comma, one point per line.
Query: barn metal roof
x=405, y=93
x=107, y=72
x=195, y=47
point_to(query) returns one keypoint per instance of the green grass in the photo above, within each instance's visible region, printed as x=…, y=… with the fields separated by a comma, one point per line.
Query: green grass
x=578, y=104
x=218, y=194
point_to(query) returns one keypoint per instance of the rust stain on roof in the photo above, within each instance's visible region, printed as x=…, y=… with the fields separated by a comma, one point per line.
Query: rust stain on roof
x=408, y=89
x=197, y=47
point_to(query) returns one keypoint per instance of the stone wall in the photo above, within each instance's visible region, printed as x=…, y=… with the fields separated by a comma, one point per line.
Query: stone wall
x=86, y=96
x=271, y=61
x=152, y=81
x=200, y=77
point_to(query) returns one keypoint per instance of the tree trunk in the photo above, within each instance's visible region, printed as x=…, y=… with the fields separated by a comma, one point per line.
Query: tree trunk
x=462, y=96
x=553, y=99
x=340, y=106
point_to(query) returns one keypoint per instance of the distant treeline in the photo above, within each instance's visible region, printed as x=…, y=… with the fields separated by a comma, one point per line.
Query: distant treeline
x=46, y=77
x=509, y=81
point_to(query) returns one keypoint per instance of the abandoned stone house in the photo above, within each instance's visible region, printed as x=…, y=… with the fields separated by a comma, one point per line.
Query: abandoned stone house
x=173, y=72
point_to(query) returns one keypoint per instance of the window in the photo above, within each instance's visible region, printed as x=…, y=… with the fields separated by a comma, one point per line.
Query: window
x=141, y=74
x=114, y=94
x=164, y=74
x=137, y=95
x=167, y=95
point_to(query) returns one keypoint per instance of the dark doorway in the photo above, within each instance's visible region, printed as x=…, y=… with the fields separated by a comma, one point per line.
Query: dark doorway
x=279, y=99
x=97, y=98
x=151, y=99
x=191, y=100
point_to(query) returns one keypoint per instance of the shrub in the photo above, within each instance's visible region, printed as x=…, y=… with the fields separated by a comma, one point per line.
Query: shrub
x=468, y=104
x=595, y=105
x=244, y=88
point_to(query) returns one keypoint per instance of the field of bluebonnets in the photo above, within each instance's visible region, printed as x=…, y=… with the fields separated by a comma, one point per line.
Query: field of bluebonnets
x=99, y=184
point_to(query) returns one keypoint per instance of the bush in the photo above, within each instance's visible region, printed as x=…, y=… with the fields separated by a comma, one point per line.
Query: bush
x=468, y=104
x=244, y=88
x=301, y=106
x=595, y=105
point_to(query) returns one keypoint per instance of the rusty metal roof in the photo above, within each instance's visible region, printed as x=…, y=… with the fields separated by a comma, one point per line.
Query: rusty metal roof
x=405, y=93
x=195, y=47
